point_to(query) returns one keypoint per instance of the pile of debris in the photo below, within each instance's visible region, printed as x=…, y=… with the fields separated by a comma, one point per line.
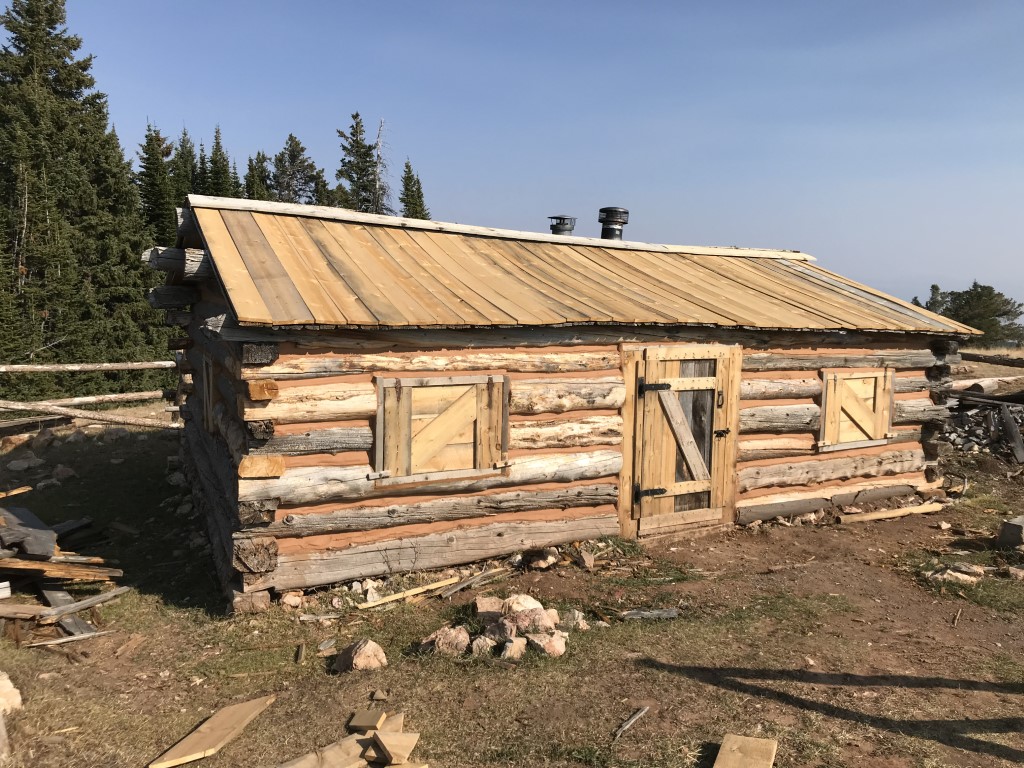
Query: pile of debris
x=987, y=423
x=376, y=738
x=509, y=628
x=31, y=554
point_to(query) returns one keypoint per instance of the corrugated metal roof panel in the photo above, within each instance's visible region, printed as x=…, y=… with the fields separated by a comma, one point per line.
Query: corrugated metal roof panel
x=286, y=264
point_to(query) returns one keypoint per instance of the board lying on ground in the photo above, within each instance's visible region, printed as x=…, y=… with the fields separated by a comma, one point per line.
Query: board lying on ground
x=370, y=394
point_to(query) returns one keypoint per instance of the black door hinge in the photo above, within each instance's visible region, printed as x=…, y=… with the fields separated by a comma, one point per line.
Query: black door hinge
x=641, y=493
x=642, y=387
x=722, y=432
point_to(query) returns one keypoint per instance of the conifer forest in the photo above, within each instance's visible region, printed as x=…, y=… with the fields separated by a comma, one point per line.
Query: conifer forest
x=77, y=208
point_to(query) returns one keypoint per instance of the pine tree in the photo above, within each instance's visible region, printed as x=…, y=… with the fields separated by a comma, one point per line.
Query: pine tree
x=71, y=283
x=257, y=178
x=236, y=181
x=294, y=178
x=411, y=198
x=359, y=169
x=183, y=168
x=201, y=182
x=982, y=307
x=155, y=187
x=220, y=183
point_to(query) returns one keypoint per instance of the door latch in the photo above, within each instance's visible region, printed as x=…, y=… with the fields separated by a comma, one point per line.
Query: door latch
x=722, y=432
x=642, y=387
x=721, y=398
x=642, y=493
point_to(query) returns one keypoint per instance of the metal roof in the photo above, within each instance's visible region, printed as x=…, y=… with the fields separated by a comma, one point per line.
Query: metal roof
x=285, y=265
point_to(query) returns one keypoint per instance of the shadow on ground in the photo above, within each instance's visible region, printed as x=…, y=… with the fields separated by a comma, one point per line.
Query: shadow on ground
x=139, y=524
x=952, y=733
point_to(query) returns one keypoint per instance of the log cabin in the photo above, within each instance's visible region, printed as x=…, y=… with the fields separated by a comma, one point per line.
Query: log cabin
x=365, y=394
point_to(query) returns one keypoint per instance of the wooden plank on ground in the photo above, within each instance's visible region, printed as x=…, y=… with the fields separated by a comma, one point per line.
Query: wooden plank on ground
x=746, y=752
x=396, y=746
x=210, y=737
x=53, y=615
x=58, y=598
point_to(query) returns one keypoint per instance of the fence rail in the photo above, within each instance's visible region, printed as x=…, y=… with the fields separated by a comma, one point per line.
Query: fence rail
x=84, y=367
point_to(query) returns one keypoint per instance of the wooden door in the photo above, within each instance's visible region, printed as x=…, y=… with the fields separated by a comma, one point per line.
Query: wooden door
x=687, y=419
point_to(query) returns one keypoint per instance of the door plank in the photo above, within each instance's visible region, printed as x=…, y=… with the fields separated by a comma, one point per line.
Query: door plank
x=683, y=435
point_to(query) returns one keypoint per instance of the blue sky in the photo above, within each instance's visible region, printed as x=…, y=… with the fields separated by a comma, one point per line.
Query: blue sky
x=885, y=138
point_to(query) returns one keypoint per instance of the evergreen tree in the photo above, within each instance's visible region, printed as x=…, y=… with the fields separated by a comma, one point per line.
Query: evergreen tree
x=236, y=181
x=294, y=178
x=155, y=187
x=982, y=307
x=323, y=194
x=362, y=170
x=257, y=178
x=183, y=168
x=220, y=183
x=411, y=198
x=71, y=283
x=201, y=182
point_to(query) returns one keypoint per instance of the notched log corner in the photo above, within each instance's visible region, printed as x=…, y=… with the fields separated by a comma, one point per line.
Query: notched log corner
x=254, y=555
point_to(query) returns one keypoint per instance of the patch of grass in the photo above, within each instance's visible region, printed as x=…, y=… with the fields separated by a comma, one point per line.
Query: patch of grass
x=991, y=591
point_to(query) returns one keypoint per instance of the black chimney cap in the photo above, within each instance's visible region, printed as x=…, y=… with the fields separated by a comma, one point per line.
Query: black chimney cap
x=613, y=215
x=562, y=224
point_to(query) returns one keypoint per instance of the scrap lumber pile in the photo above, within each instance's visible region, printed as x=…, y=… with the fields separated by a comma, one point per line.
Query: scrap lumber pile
x=30, y=555
x=377, y=738
x=986, y=423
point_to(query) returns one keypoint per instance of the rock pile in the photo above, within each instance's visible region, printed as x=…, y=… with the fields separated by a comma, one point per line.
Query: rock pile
x=976, y=427
x=510, y=627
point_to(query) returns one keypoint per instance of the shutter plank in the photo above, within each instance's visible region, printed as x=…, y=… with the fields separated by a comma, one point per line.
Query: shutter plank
x=438, y=432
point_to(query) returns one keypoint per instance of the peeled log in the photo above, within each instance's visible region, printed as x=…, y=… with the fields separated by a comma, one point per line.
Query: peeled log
x=840, y=468
x=337, y=402
x=448, y=508
x=313, y=365
x=549, y=433
x=315, y=485
x=785, y=389
x=806, y=418
x=895, y=358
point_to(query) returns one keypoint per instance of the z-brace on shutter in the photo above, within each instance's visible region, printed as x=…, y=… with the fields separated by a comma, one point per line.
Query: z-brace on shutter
x=441, y=425
x=856, y=408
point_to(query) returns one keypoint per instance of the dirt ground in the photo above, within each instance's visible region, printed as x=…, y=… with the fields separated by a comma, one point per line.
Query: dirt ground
x=826, y=638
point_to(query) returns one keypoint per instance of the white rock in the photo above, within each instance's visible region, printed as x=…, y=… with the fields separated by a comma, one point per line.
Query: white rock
x=954, y=577
x=50, y=482
x=447, y=641
x=552, y=645
x=532, y=620
x=10, y=697
x=968, y=568
x=574, y=619
x=514, y=649
x=110, y=434
x=177, y=479
x=553, y=615
x=518, y=603
x=357, y=587
x=372, y=595
x=502, y=630
x=1017, y=574
x=292, y=599
x=361, y=655
x=543, y=559
x=482, y=646
x=62, y=472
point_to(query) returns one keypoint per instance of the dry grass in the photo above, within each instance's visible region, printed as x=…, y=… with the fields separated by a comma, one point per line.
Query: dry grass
x=813, y=657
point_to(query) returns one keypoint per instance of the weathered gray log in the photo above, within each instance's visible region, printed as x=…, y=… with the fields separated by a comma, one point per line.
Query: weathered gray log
x=189, y=263
x=79, y=367
x=437, y=550
x=806, y=418
x=188, y=231
x=447, y=508
x=313, y=365
x=894, y=358
x=332, y=402
x=172, y=296
x=977, y=357
x=798, y=473
x=314, y=485
x=254, y=554
x=549, y=433
x=257, y=512
x=770, y=510
x=107, y=417
x=810, y=387
x=178, y=318
x=120, y=397
x=361, y=340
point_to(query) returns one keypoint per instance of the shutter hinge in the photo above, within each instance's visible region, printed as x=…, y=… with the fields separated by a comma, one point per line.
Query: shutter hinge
x=722, y=432
x=642, y=387
x=641, y=493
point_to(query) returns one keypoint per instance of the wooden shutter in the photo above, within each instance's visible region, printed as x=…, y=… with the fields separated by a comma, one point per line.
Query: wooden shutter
x=442, y=425
x=856, y=407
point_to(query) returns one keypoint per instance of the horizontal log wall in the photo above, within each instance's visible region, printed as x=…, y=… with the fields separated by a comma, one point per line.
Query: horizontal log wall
x=296, y=419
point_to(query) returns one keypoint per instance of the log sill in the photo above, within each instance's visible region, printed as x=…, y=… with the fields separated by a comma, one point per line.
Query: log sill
x=829, y=448
x=426, y=478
